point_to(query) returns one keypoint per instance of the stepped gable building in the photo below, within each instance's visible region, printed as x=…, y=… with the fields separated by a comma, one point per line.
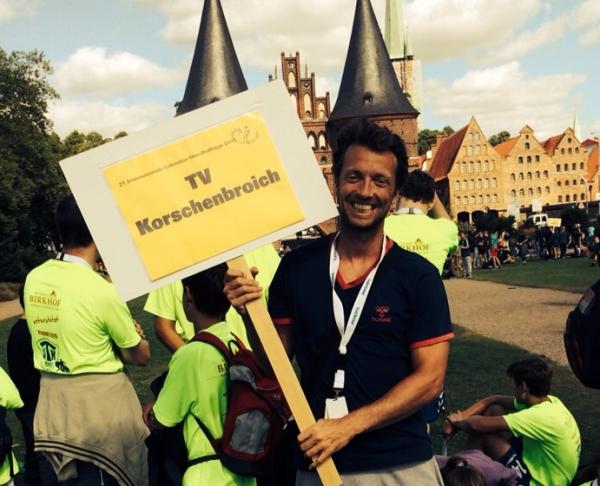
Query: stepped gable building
x=397, y=40
x=593, y=174
x=369, y=87
x=570, y=167
x=528, y=169
x=312, y=110
x=215, y=73
x=468, y=172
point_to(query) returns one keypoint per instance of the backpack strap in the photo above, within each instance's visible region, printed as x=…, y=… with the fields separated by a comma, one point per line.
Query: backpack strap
x=214, y=341
x=213, y=443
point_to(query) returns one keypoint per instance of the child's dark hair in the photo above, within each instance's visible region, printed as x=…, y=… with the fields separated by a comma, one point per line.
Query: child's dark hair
x=535, y=372
x=458, y=472
x=206, y=289
x=418, y=186
x=71, y=226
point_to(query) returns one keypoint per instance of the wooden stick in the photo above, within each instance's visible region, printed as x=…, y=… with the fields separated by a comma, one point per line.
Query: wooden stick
x=261, y=320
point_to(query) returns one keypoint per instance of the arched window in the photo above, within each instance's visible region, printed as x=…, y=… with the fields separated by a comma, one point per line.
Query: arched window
x=458, y=201
x=294, y=101
x=476, y=135
x=471, y=184
x=456, y=185
x=574, y=197
x=521, y=192
x=557, y=167
x=480, y=199
x=570, y=150
x=487, y=198
x=495, y=198
x=562, y=151
x=537, y=174
x=472, y=199
x=528, y=176
x=558, y=183
x=463, y=167
x=520, y=160
x=291, y=80
x=583, y=196
x=526, y=145
x=538, y=191
x=471, y=166
x=513, y=178
x=322, y=141
x=566, y=183
x=470, y=150
x=559, y=199
x=323, y=160
x=566, y=166
x=513, y=193
x=312, y=140
x=567, y=198
x=464, y=185
x=477, y=166
x=321, y=110
x=486, y=183
x=574, y=182
x=529, y=159
x=545, y=174
x=477, y=149
x=478, y=183
x=486, y=166
x=574, y=166
x=307, y=104
x=530, y=192
x=547, y=190
x=581, y=166
x=521, y=176
x=537, y=158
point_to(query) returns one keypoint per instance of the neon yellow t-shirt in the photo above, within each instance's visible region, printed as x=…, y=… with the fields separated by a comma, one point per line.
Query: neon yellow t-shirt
x=167, y=302
x=9, y=399
x=76, y=318
x=433, y=239
x=551, y=441
x=197, y=384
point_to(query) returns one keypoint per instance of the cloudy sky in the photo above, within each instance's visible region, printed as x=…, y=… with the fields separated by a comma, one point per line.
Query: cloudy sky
x=121, y=64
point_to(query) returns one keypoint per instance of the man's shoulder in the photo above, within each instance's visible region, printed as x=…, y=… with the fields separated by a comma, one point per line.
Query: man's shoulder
x=308, y=253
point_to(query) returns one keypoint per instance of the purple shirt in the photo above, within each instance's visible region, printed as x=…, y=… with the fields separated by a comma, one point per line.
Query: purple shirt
x=494, y=473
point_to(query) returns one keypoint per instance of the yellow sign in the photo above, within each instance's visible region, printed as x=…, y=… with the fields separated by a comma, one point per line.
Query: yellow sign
x=204, y=194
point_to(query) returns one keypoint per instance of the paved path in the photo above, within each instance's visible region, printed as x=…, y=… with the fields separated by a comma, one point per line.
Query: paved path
x=10, y=308
x=533, y=319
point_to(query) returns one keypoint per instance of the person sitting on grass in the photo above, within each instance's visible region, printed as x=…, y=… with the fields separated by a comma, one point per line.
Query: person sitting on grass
x=458, y=472
x=532, y=432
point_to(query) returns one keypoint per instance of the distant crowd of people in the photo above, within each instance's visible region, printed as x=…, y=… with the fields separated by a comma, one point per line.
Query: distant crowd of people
x=365, y=315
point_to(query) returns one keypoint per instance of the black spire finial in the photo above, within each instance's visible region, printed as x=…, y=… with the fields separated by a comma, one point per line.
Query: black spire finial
x=369, y=84
x=215, y=73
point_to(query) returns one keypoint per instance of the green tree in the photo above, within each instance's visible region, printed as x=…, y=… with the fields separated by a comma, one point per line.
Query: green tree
x=573, y=215
x=77, y=142
x=499, y=137
x=31, y=182
x=427, y=137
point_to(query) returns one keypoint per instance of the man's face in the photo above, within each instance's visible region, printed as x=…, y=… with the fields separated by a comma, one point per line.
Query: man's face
x=366, y=187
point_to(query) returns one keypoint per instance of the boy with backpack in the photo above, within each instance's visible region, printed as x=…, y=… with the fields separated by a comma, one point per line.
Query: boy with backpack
x=232, y=413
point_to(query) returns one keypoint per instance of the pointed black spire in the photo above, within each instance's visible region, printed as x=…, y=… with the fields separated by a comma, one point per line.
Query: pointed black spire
x=369, y=84
x=215, y=73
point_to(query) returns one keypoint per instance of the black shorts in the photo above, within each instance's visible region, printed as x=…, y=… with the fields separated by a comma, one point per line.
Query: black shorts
x=514, y=460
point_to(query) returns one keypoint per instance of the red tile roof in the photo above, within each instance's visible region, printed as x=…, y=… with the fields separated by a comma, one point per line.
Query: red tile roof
x=416, y=162
x=446, y=155
x=551, y=144
x=589, y=142
x=504, y=148
x=592, y=163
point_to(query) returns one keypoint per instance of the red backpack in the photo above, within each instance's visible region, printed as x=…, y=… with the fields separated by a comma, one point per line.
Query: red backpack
x=257, y=413
x=582, y=338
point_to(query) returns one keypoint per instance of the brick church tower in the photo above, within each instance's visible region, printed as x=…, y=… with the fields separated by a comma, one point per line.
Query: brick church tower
x=369, y=86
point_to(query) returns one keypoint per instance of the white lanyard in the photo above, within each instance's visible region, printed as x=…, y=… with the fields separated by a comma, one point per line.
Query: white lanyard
x=409, y=211
x=66, y=257
x=357, y=308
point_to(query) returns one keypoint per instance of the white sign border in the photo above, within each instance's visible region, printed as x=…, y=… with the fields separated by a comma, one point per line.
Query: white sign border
x=84, y=173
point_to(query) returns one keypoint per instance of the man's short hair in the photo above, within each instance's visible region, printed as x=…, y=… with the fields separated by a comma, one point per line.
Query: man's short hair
x=378, y=139
x=71, y=226
x=206, y=289
x=535, y=372
x=418, y=186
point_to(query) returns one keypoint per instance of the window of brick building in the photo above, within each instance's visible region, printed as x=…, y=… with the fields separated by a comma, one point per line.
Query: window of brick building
x=478, y=183
x=513, y=193
x=566, y=183
x=521, y=192
x=559, y=198
x=528, y=176
x=480, y=199
x=486, y=183
x=471, y=166
x=512, y=178
x=574, y=166
x=521, y=176
x=557, y=168
x=547, y=190
x=530, y=192
x=526, y=145
x=558, y=183
x=537, y=174
x=494, y=182
x=567, y=198
x=520, y=160
x=537, y=158
x=486, y=166
x=538, y=191
x=495, y=198
x=477, y=166
x=456, y=185
x=545, y=174
x=583, y=196
x=566, y=167
x=581, y=165
x=529, y=159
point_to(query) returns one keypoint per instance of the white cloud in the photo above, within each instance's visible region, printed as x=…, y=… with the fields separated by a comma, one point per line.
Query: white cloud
x=261, y=29
x=506, y=98
x=586, y=18
x=105, y=118
x=9, y=9
x=528, y=41
x=93, y=71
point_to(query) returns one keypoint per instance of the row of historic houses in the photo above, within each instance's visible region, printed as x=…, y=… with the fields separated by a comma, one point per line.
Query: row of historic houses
x=475, y=176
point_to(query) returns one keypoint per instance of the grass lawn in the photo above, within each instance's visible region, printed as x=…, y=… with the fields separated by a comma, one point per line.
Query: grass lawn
x=571, y=274
x=476, y=369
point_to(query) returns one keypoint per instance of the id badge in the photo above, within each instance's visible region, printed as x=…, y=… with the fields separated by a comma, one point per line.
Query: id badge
x=336, y=408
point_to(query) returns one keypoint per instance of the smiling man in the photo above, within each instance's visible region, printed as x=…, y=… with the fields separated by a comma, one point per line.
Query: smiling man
x=367, y=322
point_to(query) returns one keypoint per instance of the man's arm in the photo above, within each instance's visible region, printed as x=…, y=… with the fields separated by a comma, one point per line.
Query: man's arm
x=478, y=423
x=407, y=397
x=477, y=410
x=138, y=355
x=166, y=333
x=438, y=210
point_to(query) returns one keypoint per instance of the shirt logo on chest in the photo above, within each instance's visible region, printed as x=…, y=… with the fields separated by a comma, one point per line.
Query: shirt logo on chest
x=381, y=314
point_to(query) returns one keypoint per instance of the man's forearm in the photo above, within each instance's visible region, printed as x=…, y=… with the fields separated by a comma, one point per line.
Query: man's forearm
x=403, y=400
x=479, y=407
x=438, y=210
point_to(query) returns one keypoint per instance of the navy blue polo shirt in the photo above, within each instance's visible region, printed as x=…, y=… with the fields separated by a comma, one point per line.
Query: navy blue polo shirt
x=406, y=308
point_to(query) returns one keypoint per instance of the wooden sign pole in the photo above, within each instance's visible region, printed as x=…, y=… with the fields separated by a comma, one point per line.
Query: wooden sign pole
x=257, y=310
